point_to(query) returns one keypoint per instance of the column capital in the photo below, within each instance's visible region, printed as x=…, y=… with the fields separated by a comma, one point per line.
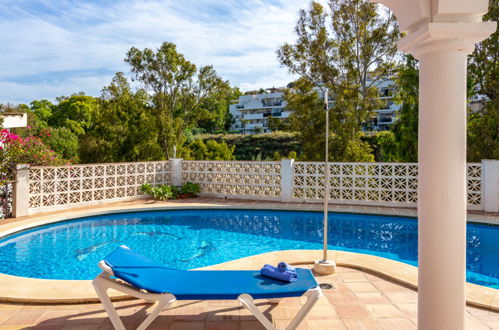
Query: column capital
x=446, y=36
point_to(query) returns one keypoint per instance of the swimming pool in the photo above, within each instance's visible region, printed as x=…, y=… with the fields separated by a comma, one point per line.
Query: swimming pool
x=188, y=239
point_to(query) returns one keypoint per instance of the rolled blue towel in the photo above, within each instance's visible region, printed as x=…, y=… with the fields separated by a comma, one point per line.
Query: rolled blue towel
x=282, y=266
x=275, y=273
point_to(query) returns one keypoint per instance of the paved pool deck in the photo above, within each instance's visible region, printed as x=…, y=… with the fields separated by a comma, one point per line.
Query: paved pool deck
x=370, y=292
x=359, y=300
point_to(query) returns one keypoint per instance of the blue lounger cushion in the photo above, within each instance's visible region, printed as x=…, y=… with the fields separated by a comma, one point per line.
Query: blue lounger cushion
x=146, y=274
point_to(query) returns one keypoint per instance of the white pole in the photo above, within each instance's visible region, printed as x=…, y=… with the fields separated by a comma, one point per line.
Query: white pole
x=326, y=183
x=325, y=266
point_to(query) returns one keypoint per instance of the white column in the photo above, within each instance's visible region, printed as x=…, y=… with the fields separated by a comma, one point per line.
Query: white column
x=20, y=191
x=176, y=165
x=287, y=179
x=442, y=189
x=490, y=185
x=442, y=49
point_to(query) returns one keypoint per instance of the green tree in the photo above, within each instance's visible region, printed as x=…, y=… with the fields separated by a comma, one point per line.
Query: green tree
x=40, y=114
x=212, y=150
x=483, y=69
x=483, y=79
x=179, y=90
x=213, y=113
x=75, y=112
x=276, y=156
x=63, y=141
x=483, y=63
x=483, y=135
x=125, y=128
x=387, y=147
x=308, y=120
x=405, y=130
x=350, y=58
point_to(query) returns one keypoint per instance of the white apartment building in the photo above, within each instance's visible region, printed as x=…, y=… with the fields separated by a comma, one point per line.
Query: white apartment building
x=389, y=112
x=252, y=112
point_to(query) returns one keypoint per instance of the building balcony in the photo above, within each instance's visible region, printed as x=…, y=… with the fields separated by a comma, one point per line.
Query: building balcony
x=253, y=116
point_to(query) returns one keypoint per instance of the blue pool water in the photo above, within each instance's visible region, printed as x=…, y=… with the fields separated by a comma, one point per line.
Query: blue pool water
x=197, y=238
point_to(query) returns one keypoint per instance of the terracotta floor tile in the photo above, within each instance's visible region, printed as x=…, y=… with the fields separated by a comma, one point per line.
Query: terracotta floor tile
x=23, y=318
x=222, y=325
x=351, y=311
x=43, y=327
x=409, y=310
x=57, y=316
x=386, y=286
x=475, y=324
x=322, y=312
x=402, y=297
x=361, y=287
x=477, y=311
x=282, y=324
x=80, y=327
x=384, y=310
x=396, y=324
x=190, y=313
x=224, y=303
x=289, y=302
x=245, y=315
x=107, y=325
x=362, y=324
x=5, y=314
x=490, y=320
x=372, y=277
x=342, y=299
x=353, y=277
x=372, y=298
x=161, y=323
x=335, y=324
x=284, y=312
x=323, y=301
x=187, y=325
x=338, y=288
x=251, y=325
x=215, y=313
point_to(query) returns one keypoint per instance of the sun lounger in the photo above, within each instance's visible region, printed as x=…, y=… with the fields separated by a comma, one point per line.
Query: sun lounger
x=135, y=275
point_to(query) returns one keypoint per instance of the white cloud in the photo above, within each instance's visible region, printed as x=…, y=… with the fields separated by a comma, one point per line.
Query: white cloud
x=52, y=49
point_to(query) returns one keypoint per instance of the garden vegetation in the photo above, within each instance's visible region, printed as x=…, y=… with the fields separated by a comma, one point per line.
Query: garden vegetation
x=178, y=109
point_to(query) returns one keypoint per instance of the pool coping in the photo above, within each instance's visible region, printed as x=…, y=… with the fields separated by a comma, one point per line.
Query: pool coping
x=15, y=289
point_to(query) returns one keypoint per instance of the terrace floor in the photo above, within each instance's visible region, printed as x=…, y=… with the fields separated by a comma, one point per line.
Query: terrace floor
x=359, y=300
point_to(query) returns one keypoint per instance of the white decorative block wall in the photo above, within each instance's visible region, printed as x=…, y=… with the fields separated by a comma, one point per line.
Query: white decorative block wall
x=236, y=179
x=57, y=187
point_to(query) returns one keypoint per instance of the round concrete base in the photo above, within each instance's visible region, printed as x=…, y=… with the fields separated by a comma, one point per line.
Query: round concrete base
x=324, y=267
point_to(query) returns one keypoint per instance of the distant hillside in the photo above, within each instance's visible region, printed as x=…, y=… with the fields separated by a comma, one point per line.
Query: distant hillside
x=260, y=146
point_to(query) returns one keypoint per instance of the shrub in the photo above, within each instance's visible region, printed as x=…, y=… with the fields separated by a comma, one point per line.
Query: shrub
x=162, y=192
x=190, y=188
x=165, y=192
x=247, y=147
x=211, y=150
x=29, y=150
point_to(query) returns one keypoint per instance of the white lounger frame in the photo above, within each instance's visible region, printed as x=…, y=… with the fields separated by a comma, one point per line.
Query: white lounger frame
x=103, y=282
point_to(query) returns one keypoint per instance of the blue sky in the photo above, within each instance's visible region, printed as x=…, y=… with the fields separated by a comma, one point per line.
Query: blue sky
x=53, y=48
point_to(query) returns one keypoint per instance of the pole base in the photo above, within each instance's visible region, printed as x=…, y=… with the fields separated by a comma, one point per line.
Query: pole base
x=324, y=267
